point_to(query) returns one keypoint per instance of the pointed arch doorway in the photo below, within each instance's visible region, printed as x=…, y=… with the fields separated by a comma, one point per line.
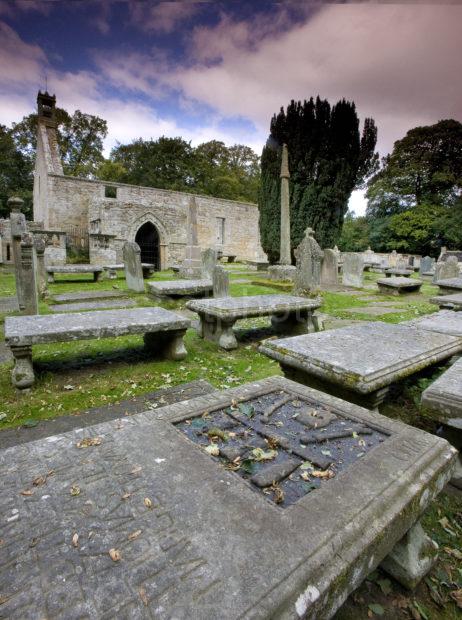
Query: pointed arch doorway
x=147, y=238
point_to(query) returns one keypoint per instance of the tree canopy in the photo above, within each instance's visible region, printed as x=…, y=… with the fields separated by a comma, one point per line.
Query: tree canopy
x=328, y=158
x=16, y=176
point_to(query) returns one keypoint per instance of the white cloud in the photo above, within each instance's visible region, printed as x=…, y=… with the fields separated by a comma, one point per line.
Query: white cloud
x=162, y=17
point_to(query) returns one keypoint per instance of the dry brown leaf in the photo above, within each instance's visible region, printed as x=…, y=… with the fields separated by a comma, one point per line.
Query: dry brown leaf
x=39, y=481
x=143, y=596
x=115, y=555
x=75, y=490
x=147, y=502
x=136, y=469
x=126, y=495
x=86, y=442
x=27, y=492
x=75, y=540
x=457, y=596
x=327, y=473
x=134, y=535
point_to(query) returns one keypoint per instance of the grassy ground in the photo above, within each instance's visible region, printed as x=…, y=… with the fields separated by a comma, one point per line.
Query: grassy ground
x=76, y=376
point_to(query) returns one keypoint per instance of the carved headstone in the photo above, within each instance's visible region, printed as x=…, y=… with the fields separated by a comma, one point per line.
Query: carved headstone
x=393, y=258
x=427, y=265
x=40, y=245
x=308, y=255
x=220, y=280
x=447, y=269
x=18, y=228
x=284, y=255
x=209, y=258
x=133, y=269
x=28, y=274
x=329, y=267
x=353, y=266
x=191, y=267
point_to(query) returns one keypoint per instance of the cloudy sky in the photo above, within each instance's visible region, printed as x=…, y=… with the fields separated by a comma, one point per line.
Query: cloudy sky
x=219, y=70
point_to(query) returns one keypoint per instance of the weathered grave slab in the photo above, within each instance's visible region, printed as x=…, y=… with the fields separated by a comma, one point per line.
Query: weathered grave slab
x=95, y=270
x=260, y=265
x=147, y=268
x=9, y=304
x=454, y=302
x=373, y=310
x=163, y=331
x=442, y=322
x=360, y=362
x=289, y=314
x=404, y=273
x=65, y=298
x=398, y=286
x=145, y=522
x=180, y=288
x=94, y=305
x=449, y=286
x=285, y=273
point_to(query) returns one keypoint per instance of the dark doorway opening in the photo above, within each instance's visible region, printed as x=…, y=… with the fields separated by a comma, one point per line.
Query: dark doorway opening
x=147, y=238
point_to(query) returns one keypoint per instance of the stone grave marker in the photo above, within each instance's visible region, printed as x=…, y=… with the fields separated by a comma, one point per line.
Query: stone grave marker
x=353, y=266
x=220, y=279
x=209, y=258
x=39, y=246
x=308, y=256
x=18, y=228
x=329, y=267
x=133, y=269
x=191, y=268
x=447, y=269
x=28, y=274
x=427, y=265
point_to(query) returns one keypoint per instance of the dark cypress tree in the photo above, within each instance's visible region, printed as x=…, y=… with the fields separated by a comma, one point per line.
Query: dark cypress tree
x=328, y=158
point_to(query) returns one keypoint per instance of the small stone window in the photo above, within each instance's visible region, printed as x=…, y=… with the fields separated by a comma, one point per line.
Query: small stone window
x=8, y=252
x=110, y=191
x=220, y=230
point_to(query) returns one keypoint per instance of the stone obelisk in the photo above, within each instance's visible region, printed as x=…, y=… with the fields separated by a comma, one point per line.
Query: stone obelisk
x=284, y=256
x=191, y=267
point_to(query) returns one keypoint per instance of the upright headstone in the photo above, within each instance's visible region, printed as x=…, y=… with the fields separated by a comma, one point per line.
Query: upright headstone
x=18, y=228
x=40, y=245
x=220, y=280
x=393, y=258
x=402, y=263
x=427, y=265
x=353, y=266
x=447, y=269
x=308, y=255
x=133, y=269
x=191, y=267
x=284, y=255
x=209, y=258
x=329, y=268
x=28, y=274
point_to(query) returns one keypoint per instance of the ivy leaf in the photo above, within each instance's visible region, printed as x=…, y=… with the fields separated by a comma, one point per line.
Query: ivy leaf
x=385, y=586
x=246, y=409
x=377, y=609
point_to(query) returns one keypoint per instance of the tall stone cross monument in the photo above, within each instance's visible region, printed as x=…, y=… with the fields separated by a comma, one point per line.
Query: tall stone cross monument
x=192, y=264
x=284, y=255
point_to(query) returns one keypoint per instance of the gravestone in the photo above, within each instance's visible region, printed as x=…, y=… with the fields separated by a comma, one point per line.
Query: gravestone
x=308, y=256
x=329, y=267
x=41, y=274
x=220, y=280
x=18, y=227
x=353, y=265
x=284, y=257
x=133, y=269
x=28, y=274
x=191, y=267
x=209, y=259
x=447, y=269
x=427, y=265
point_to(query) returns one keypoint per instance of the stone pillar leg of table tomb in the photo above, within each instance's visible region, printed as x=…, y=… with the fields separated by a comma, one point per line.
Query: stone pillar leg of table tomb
x=51, y=277
x=96, y=275
x=112, y=274
x=22, y=374
x=295, y=323
x=219, y=331
x=412, y=557
x=169, y=344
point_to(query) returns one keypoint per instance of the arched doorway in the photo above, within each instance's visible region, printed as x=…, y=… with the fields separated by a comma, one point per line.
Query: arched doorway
x=147, y=238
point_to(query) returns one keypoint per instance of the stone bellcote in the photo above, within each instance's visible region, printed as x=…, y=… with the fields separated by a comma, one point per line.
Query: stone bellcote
x=46, y=106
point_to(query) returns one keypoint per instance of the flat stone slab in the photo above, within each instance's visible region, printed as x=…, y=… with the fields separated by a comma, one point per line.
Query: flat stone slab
x=399, y=272
x=445, y=394
x=252, y=306
x=399, y=286
x=180, y=288
x=145, y=523
x=94, y=305
x=9, y=304
x=362, y=359
x=74, y=269
x=373, y=310
x=442, y=322
x=448, y=301
x=65, y=298
x=450, y=285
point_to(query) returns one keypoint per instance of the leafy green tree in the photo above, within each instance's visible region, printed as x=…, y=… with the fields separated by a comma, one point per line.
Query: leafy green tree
x=355, y=234
x=16, y=177
x=80, y=140
x=328, y=158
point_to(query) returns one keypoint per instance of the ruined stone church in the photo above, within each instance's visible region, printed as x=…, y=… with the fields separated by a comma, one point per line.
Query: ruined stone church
x=113, y=213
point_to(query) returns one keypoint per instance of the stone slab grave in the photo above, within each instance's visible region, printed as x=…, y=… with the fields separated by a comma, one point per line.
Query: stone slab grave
x=95, y=270
x=9, y=304
x=373, y=310
x=454, y=302
x=360, y=362
x=148, y=270
x=442, y=322
x=180, y=288
x=151, y=516
x=260, y=265
x=399, y=285
x=289, y=315
x=93, y=305
x=444, y=397
x=404, y=273
x=163, y=332
x=450, y=286
x=65, y=298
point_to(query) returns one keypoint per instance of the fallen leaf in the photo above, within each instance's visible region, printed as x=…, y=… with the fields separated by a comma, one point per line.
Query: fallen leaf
x=27, y=492
x=217, y=432
x=134, y=535
x=75, y=490
x=385, y=585
x=454, y=552
x=305, y=476
x=212, y=449
x=126, y=495
x=376, y=609
x=260, y=455
x=327, y=473
x=306, y=465
x=69, y=387
x=143, y=596
x=326, y=452
x=457, y=596
x=86, y=442
x=39, y=481
x=278, y=493
x=75, y=540
x=115, y=555
x=147, y=502
x=136, y=469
